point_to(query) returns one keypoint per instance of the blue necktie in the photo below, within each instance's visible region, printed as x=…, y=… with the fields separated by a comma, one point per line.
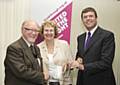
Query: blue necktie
x=87, y=41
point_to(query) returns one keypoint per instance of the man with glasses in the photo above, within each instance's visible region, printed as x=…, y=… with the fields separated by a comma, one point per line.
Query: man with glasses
x=23, y=65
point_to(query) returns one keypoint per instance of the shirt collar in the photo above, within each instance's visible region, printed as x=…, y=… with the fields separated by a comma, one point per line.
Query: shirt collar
x=26, y=42
x=93, y=30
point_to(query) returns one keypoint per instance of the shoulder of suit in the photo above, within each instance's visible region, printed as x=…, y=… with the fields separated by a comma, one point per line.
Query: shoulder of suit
x=42, y=45
x=15, y=45
x=81, y=35
x=58, y=41
x=106, y=32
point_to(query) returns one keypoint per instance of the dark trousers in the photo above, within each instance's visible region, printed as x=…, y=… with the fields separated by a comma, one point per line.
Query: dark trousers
x=54, y=83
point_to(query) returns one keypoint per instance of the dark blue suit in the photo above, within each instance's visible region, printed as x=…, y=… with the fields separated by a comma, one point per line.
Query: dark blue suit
x=98, y=58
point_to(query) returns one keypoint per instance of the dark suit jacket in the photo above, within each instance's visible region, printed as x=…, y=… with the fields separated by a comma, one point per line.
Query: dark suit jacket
x=21, y=67
x=97, y=59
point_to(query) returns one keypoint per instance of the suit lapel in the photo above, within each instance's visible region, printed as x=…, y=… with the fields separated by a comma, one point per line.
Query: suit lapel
x=81, y=41
x=26, y=49
x=44, y=49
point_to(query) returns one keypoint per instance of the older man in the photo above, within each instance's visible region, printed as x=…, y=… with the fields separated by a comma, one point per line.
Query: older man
x=23, y=65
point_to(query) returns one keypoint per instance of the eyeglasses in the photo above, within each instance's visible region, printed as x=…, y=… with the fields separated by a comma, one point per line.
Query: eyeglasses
x=31, y=30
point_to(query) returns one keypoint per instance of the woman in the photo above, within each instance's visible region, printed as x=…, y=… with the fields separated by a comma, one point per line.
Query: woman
x=56, y=55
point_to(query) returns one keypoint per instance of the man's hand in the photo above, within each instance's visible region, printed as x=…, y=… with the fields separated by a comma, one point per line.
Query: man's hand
x=46, y=75
x=80, y=60
x=78, y=64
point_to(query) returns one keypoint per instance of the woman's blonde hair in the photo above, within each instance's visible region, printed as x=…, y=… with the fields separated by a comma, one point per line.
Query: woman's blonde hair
x=49, y=24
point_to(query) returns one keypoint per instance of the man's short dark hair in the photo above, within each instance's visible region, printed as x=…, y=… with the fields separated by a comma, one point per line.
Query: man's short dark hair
x=88, y=9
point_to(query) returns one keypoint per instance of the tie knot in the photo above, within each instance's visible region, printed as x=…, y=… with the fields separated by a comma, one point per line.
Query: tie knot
x=89, y=33
x=32, y=47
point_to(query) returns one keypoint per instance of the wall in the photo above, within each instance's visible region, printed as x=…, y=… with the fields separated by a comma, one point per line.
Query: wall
x=13, y=12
